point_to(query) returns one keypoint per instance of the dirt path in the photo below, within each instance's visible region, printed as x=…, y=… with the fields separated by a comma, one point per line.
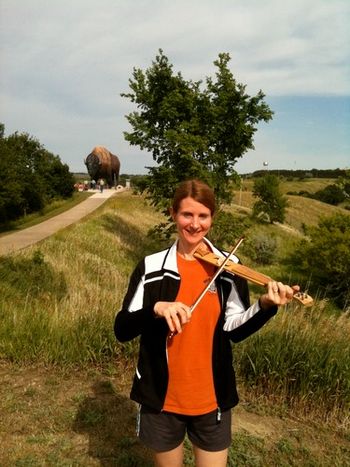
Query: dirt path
x=26, y=237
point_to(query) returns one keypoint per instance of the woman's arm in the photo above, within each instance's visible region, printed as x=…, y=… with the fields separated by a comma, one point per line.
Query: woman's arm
x=129, y=322
x=242, y=322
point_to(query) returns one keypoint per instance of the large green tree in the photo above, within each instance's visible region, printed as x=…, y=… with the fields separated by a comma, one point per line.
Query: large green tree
x=190, y=128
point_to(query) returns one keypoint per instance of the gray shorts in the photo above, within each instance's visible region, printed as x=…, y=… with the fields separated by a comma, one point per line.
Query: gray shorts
x=164, y=431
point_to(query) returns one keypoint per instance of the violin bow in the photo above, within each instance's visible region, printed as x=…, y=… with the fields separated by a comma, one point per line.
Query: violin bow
x=212, y=280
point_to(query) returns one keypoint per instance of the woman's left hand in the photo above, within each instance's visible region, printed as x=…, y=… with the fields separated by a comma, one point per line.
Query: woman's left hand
x=277, y=294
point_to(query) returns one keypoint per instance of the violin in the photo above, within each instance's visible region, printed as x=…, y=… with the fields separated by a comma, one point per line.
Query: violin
x=205, y=254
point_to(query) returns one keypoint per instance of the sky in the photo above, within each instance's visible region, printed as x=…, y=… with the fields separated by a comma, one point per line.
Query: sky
x=65, y=63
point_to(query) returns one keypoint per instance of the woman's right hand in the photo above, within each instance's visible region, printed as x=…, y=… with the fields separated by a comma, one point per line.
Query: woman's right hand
x=176, y=314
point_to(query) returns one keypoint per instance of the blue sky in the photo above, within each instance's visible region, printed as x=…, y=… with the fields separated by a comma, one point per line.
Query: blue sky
x=64, y=64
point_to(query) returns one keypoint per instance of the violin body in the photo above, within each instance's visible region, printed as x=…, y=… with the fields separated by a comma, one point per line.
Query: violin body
x=203, y=253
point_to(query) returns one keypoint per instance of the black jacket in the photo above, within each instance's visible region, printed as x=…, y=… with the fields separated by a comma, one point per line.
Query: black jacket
x=156, y=278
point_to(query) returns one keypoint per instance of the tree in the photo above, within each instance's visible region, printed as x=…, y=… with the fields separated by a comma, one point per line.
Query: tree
x=191, y=131
x=331, y=194
x=59, y=178
x=325, y=256
x=11, y=197
x=272, y=204
x=31, y=176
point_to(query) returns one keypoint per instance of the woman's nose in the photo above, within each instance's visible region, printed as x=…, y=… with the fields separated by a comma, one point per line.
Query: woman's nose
x=195, y=222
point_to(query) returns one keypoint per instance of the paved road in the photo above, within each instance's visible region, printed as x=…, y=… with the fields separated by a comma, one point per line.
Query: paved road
x=26, y=237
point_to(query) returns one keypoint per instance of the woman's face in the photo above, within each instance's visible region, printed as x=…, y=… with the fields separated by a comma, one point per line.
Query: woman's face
x=193, y=221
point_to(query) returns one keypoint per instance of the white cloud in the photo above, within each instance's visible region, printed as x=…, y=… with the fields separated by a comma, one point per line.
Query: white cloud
x=64, y=63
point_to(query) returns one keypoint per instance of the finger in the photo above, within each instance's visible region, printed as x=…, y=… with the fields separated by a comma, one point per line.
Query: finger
x=176, y=322
x=272, y=287
x=185, y=314
x=282, y=291
x=272, y=291
x=170, y=322
x=289, y=292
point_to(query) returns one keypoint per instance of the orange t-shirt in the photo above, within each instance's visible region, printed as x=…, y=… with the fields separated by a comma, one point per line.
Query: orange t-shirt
x=191, y=385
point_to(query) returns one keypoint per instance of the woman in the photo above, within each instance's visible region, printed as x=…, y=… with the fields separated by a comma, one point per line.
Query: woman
x=184, y=379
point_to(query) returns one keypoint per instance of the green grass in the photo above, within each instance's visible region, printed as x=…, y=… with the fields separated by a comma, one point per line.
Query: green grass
x=65, y=378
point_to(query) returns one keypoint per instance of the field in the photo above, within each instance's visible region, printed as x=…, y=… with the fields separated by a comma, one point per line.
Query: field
x=65, y=381
x=301, y=210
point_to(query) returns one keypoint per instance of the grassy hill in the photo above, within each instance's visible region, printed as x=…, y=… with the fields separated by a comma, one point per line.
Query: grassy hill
x=307, y=184
x=65, y=381
x=301, y=210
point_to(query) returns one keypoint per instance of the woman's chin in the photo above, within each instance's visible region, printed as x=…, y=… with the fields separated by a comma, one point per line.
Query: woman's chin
x=193, y=240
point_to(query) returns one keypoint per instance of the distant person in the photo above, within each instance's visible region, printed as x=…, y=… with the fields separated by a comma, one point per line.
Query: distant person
x=93, y=184
x=185, y=383
x=102, y=184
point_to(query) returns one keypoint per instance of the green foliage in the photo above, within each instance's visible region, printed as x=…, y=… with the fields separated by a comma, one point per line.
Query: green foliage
x=331, y=194
x=11, y=197
x=31, y=177
x=261, y=248
x=271, y=204
x=192, y=132
x=325, y=255
x=227, y=228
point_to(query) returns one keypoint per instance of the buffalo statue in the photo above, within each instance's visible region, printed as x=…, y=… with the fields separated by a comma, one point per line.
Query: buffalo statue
x=101, y=163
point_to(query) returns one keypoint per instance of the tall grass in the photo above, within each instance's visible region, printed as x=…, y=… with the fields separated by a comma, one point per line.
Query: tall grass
x=302, y=357
x=58, y=301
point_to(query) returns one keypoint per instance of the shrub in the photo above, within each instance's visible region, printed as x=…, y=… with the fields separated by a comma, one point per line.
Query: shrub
x=331, y=194
x=261, y=248
x=325, y=255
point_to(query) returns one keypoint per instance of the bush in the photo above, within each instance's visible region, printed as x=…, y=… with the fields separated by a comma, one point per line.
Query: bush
x=332, y=194
x=261, y=248
x=325, y=255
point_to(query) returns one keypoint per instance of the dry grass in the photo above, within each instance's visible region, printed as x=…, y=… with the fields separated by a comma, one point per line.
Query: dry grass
x=300, y=210
x=308, y=184
x=64, y=401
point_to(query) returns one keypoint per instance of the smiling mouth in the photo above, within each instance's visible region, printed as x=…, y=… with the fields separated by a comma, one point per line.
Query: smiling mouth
x=194, y=232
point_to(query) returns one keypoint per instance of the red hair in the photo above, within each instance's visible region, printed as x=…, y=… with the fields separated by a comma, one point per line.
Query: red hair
x=197, y=190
